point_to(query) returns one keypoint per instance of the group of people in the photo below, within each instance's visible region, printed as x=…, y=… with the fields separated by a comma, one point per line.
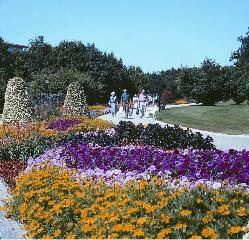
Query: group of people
x=127, y=104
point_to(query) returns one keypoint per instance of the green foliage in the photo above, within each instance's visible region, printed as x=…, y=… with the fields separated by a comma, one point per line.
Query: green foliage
x=241, y=55
x=57, y=82
x=204, y=84
x=33, y=147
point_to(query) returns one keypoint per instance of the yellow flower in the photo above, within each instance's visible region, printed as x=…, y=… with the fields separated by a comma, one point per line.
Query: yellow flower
x=180, y=226
x=195, y=237
x=219, y=199
x=164, y=233
x=70, y=236
x=207, y=219
x=141, y=221
x=46, y=237
x=86, y=228
x=234, y=200
x=199, y=201
x=241, y=212
x=165, y=218
x=113, y=236
x=132, y=210
x=209, y=233
x=185, y=213
x=57, y=233
x=224, y=209
x=138, y=233
x=3, y=208
x=234, y=230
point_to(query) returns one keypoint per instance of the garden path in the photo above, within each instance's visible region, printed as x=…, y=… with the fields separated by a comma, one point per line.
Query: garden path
x=222, y=141
x=9, y=229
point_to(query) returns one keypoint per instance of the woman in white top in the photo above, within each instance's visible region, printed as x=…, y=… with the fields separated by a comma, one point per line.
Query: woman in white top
x=135, y=101
x=113, y=104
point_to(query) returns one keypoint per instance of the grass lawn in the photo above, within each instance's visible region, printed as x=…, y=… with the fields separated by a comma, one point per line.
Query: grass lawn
x=223, y=118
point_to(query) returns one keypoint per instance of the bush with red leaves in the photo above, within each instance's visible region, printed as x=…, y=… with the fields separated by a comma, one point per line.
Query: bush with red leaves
x=167, y=96
x=9, y=170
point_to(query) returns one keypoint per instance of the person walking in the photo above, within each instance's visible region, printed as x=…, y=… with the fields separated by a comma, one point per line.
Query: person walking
x=125, y=99
x=113, y=104
x=135, y=101
x=142, y=102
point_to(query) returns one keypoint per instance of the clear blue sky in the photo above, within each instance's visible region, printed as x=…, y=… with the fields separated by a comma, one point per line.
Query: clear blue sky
x=153, y=34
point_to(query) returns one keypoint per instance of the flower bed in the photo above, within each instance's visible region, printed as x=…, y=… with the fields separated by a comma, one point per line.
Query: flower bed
x=98, y=110
x=181, y=101
x=97, y=107
x=86, y=178
x=51, y=204
x=120, y=163
x=31, y=140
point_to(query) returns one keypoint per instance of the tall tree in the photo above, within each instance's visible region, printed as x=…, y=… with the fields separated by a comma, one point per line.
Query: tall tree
x=241, y=55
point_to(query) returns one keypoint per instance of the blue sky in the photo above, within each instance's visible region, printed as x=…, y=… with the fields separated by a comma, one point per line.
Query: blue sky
x=153, y=34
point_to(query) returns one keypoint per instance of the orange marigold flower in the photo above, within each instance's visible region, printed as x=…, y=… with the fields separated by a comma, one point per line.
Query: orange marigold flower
x=180, y=225
x=209, y=233
x=224, y=209
x=141, y=221
x=235, y=229
x=165, y=218
x=219, y=199
x=57, y=233
x=138, y=233
x=241, y=212
x=207, y=219
x=185, y=213
x=163, y=233
x=195, y=237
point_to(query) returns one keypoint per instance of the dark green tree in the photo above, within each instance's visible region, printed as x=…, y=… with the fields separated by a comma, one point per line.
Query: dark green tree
x=204, y=84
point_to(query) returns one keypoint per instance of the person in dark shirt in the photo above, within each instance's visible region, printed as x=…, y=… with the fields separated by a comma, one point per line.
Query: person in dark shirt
x=125, y=99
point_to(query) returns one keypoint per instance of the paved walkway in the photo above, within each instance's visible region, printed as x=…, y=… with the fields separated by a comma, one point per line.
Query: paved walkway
x=222, y=141
x=9, y=229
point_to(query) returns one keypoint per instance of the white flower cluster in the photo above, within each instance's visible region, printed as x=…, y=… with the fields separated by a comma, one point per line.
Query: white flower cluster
x=17, y=105
x=75, y=101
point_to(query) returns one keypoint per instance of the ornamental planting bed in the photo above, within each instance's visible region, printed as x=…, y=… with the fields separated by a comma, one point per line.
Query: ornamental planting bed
x=87, y=178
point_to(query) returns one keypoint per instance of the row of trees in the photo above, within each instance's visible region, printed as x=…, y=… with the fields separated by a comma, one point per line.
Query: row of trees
x=50, y=69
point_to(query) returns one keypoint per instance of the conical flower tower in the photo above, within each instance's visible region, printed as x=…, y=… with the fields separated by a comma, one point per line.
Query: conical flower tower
x=75, y=101
x=17, y=105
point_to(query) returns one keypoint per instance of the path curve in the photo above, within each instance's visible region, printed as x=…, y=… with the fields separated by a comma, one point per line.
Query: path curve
x=221, y=140
x=9, y=229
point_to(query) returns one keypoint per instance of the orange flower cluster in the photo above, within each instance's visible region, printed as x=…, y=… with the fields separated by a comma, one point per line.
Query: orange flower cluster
x=181, y=101
x=52, y=204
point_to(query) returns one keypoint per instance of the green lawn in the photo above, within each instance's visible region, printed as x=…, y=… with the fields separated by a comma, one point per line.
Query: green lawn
x=223, y=118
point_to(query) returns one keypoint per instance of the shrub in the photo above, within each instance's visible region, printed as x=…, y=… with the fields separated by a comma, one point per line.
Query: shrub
x=75, y=101
x=17, y=105
x=205, y=85
x=163, y=137
x=167, y=96
x=51, y=204
x=32, y=147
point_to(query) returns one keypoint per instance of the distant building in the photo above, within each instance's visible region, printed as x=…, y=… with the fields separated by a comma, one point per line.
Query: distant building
x=15, y=47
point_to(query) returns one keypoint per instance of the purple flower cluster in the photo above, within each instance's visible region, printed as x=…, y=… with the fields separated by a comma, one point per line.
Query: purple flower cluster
x=57, y=157
x=193, y=164
x=62, y=124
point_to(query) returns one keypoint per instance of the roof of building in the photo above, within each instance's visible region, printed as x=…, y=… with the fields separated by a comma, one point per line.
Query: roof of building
x=16, y=45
